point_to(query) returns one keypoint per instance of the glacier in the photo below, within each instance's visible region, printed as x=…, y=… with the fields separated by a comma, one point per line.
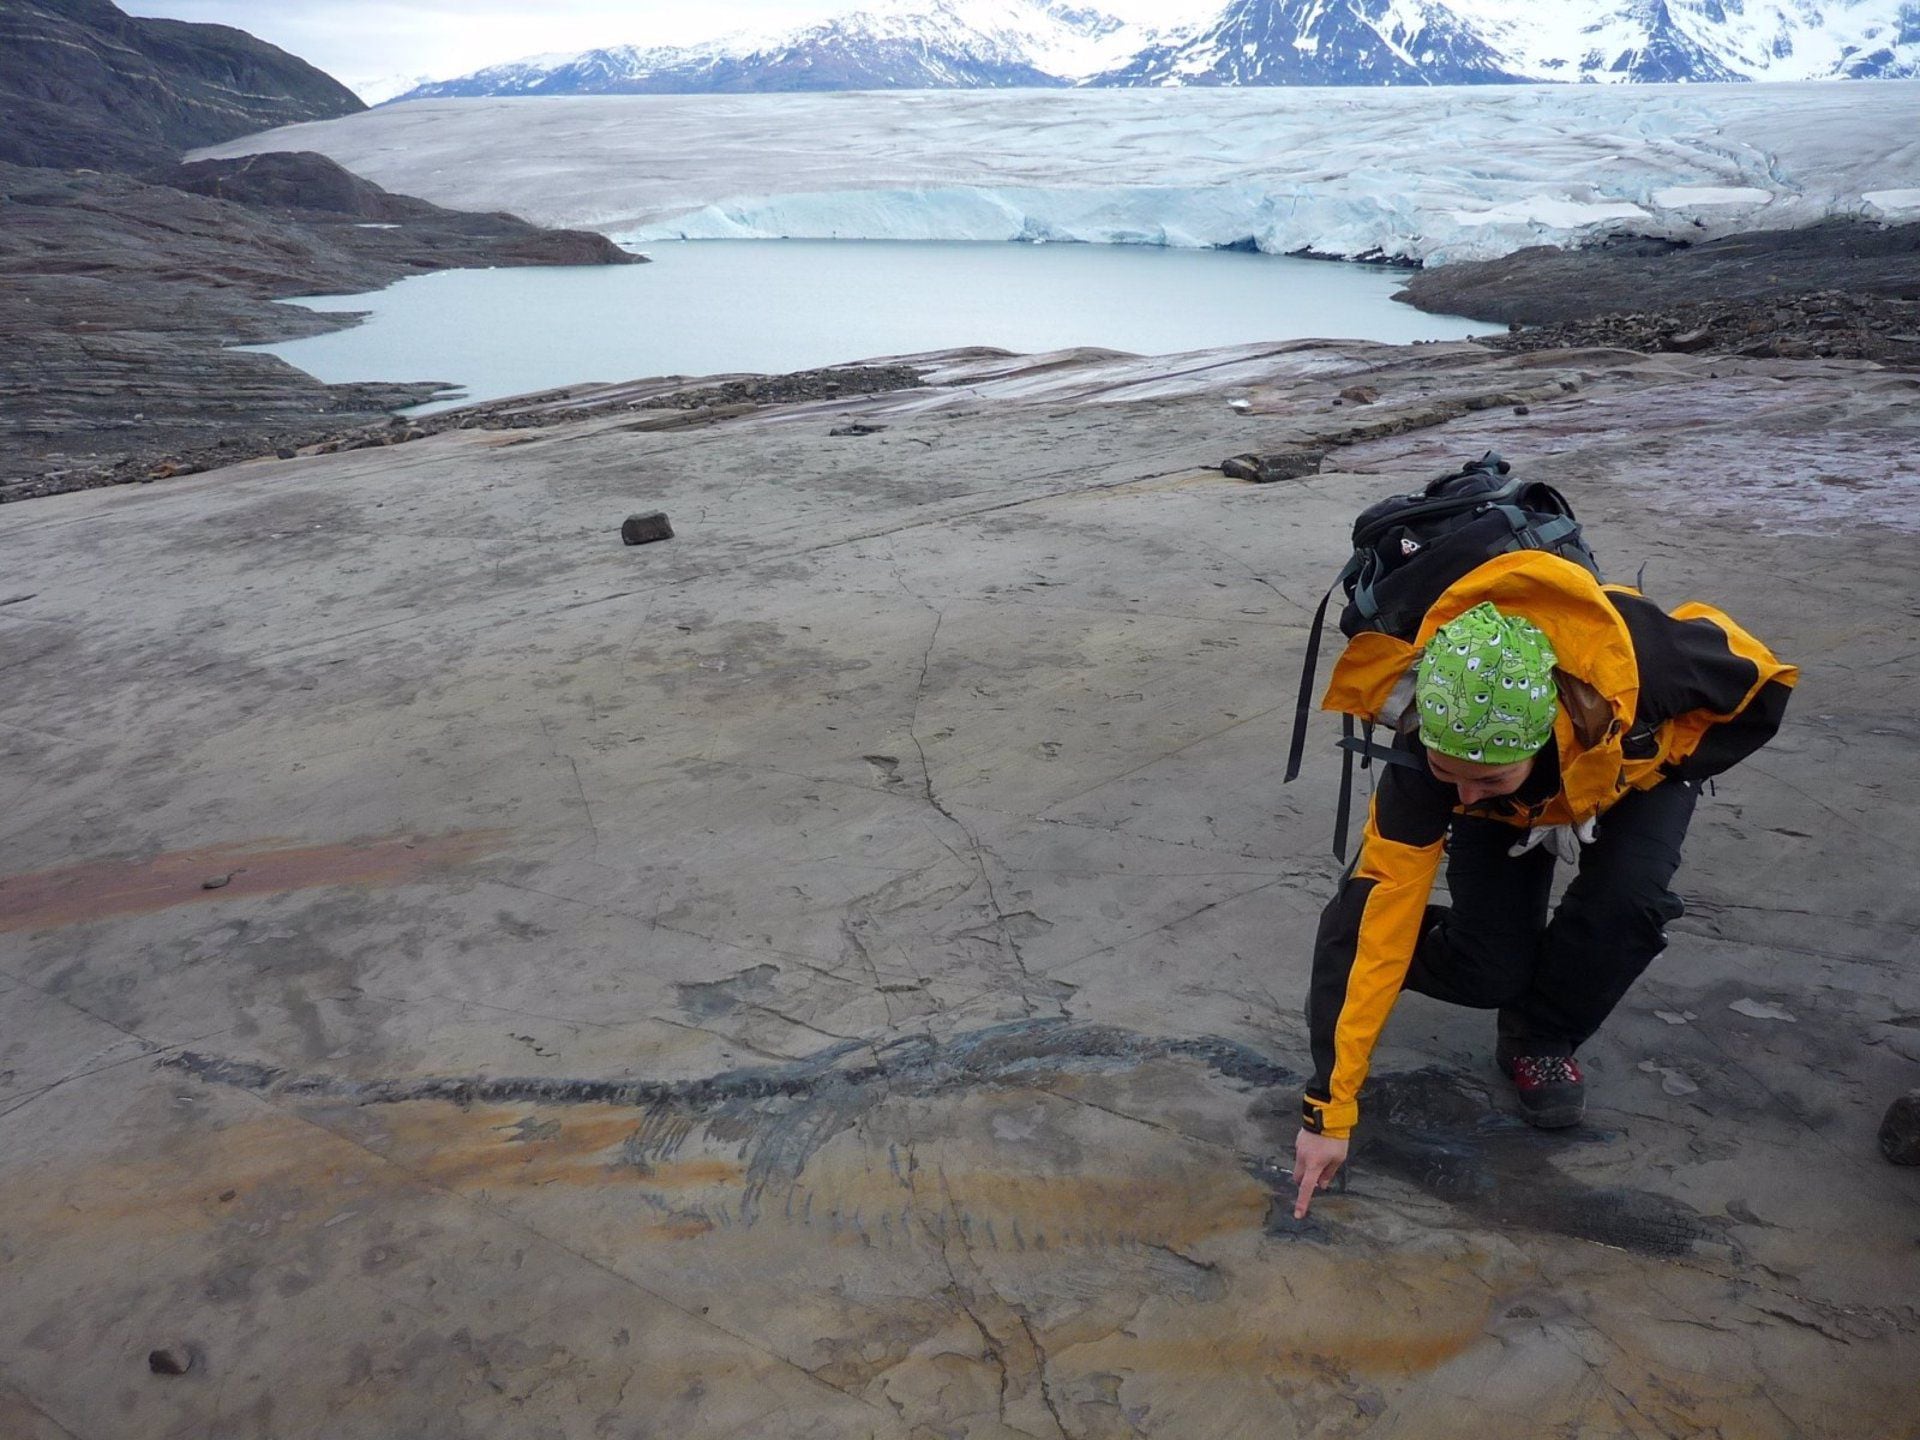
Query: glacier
x=1426, y=176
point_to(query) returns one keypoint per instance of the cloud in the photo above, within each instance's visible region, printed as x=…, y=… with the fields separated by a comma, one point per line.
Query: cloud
x=358, y=40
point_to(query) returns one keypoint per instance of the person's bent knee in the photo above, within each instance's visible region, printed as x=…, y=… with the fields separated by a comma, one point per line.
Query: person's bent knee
x=1465, y=976
x=1621, y=923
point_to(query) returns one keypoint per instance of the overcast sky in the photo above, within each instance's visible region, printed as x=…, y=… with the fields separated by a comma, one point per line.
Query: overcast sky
x=362, y=42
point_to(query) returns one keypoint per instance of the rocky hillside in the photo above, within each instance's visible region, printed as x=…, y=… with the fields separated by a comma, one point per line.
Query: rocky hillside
x=83, y=85
x=126, y=277
x=120, y=301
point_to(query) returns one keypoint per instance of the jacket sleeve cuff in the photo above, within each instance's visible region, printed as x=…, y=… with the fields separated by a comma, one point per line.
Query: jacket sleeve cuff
x=1323, y=1117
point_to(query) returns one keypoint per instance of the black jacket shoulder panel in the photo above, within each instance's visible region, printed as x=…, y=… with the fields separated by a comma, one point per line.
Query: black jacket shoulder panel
x=1684, y=664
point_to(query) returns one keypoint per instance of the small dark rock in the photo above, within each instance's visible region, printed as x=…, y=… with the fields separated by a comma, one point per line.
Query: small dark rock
x=1281, y=465
x=1900, y=1131
x=170, y=1360
x=1522, y=410
x=285, y=452
x=645, y=529
x=856, y=428
x=216, y=883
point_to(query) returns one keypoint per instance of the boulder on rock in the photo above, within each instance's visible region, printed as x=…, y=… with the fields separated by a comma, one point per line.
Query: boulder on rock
x=645, y=529
x=1900, y=1130
x=1280, y=465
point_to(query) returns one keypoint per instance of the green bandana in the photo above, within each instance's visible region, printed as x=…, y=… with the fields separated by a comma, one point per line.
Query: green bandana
x=1485, y=688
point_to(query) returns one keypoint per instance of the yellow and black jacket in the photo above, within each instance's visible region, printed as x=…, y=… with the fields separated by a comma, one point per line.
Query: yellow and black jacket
x=1645, y=696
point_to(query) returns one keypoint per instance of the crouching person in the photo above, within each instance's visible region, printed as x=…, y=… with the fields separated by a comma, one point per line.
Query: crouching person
x=1538, y=716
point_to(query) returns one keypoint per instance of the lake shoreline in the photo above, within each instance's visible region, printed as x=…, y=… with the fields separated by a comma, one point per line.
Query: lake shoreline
x=776, y=307
x=124, y=297
x=1750, y=294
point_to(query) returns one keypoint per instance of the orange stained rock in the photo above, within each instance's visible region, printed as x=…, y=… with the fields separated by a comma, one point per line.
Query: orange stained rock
x=491, y=1147
x=194, y=1185
x=1305, y=1313
x=100, y=889
x=987, y=1197
x=311, y=1173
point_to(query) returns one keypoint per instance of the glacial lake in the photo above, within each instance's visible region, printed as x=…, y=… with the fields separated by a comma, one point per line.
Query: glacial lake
x=770, y=306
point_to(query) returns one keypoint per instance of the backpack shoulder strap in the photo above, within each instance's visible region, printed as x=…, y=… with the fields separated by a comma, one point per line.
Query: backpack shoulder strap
x=1296, y=747
x=1369, y=750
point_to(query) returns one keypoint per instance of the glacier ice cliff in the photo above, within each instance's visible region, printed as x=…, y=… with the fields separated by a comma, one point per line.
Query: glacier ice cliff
x=1422, y=175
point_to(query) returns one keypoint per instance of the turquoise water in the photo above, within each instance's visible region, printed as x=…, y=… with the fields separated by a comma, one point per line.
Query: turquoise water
x=770, y=306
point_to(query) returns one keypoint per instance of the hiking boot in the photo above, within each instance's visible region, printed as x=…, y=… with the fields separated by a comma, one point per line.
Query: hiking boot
x=1552, y=1093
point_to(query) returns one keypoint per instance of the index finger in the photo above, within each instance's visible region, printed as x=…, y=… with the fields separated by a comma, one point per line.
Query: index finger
x=1308, y=1175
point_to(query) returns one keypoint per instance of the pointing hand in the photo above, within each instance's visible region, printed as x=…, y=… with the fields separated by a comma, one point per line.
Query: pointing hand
x=1315, y=1159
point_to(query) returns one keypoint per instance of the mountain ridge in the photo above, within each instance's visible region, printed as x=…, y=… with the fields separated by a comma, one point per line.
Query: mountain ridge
x=83, y=84
x=961, y=44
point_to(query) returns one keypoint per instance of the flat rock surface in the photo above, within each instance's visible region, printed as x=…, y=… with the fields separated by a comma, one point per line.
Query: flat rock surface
x=837, y=972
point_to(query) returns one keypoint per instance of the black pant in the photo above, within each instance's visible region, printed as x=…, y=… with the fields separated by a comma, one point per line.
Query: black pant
x=1554, y=981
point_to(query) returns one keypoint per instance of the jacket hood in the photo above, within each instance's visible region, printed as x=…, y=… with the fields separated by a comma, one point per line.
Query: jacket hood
x=1598, y=676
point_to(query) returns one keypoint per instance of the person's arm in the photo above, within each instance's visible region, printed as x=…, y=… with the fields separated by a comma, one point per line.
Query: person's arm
x=1365, y=943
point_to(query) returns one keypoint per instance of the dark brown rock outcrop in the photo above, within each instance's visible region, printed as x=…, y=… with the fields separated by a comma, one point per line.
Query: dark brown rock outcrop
x=313, y=192
x=1818, y=325
x=1544, y=286
x=1844, y=289
x=119, y=300
x=84, y=85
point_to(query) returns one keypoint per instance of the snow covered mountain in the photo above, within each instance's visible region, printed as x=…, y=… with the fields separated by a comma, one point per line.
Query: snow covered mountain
x=965, y=44
x=1322, y=42
x=893, y=45
x=1464, y=42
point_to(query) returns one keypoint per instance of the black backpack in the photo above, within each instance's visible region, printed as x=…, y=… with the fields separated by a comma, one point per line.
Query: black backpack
x=1407, y=550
